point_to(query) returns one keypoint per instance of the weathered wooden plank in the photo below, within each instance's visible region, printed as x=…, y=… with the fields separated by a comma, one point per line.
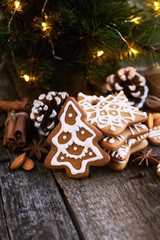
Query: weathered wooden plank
x=3, y=226
x=109, y=206
x=31, y=206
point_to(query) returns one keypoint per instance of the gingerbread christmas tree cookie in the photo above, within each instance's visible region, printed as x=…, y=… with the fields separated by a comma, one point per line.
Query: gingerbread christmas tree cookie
x=74, y=143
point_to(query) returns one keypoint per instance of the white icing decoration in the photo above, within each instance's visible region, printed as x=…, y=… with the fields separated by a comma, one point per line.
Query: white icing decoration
x=111, y=140
x=120, y=138
x=90, y=153
x=64, y=137
x=119, y=101
x=88, y=143
x=103, y=113
x=40, y=118
x=82, y=132
x=58, y=100
x=154, y=133
x=131, y=130
x=123, y=151
x=75, y=148
x=62, y=158
x=53, y=114
x=70, y=115
x=42, y=96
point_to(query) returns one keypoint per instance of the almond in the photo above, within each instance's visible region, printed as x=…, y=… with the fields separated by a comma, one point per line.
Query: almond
x=157, y=122
x=28, y=164
x=155, y=115
x=17, y=162
x=150, y=121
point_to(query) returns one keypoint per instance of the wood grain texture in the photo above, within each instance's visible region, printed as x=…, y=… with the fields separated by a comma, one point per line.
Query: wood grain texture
x=31, y=206
x=109, y=206
x=3, y=225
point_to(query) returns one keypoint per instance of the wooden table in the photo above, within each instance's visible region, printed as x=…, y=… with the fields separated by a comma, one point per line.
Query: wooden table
x=44, y=204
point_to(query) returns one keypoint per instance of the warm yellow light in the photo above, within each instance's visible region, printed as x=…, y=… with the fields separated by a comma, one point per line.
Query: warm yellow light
x=136, y=20
x=100, y=53
x=156, y=6
x=16, y=4
x=26, y=77
x=44, y=26
x=134, y=51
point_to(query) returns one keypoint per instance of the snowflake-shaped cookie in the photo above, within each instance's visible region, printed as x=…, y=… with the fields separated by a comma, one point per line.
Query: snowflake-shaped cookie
x=111, y=114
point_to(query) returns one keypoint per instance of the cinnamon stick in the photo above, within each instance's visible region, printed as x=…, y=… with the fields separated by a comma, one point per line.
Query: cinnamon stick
x=9, y=138
x=24, y=105
x=20, y=129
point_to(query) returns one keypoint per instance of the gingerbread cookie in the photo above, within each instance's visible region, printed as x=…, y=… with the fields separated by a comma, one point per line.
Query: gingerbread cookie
x=154, y=135
x=111, y=114
x=45, y=111
x=120, y=157
x=74, y=142
x=113, y=143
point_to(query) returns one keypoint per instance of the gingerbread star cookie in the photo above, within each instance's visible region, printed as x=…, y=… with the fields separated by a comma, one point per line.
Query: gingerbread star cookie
x=120, y=157
x=113, y=143
x=74, y=143
x=111, y=114
x=154, y=135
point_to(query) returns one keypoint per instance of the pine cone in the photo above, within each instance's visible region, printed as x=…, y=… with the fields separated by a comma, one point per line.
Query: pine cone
x=132, y=83
x=45, y=111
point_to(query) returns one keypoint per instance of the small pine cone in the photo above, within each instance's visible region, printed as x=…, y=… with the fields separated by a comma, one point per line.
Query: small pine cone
x=45, y=111
x=132, y=83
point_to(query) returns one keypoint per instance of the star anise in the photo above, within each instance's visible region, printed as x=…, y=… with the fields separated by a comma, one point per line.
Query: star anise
x=146, y=158
x=36, y=148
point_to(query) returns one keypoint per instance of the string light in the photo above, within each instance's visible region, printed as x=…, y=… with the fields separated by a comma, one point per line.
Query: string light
x=131, y=50
x=100, y=53
x=16, y=4
x=155, y=5
x=134, y=51
x=26, y=77
x=43, y=8
x=16, y=8
x=44, y=26
x=136, y=20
